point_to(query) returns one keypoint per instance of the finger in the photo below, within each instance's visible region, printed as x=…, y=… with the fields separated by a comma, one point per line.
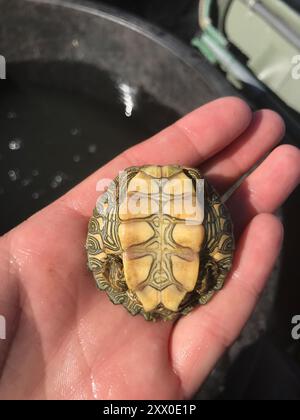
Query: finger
x=266, y=189
x=200, y=338
x=9, y=302
x=264, y=133
x=196, y=137
x=189, y=142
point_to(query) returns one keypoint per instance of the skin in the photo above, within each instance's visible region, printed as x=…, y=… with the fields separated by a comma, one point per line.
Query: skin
x=67, y=341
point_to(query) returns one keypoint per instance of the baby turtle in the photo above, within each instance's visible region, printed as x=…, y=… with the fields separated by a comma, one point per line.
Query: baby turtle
x=160, y=241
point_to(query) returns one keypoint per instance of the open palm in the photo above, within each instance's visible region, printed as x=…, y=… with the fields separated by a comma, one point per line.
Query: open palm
x=66, y=340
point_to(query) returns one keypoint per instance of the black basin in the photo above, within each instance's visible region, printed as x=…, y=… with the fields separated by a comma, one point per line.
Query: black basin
x=83, y=84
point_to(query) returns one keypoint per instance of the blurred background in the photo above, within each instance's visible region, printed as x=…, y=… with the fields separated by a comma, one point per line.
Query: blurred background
x=87, y=79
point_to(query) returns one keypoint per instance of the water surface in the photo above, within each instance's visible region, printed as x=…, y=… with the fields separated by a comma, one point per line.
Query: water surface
x=59, y=123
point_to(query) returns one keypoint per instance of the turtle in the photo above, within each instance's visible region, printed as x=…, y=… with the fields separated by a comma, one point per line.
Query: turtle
x=160, y=241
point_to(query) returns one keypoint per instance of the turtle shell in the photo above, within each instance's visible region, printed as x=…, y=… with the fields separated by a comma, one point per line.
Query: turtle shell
x=160, y=241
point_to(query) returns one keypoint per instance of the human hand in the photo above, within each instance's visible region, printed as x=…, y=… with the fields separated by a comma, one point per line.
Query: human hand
x=66, y=340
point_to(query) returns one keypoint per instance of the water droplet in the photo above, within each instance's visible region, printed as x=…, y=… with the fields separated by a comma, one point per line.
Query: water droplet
x=58, y=180
x=11, y=115
x=128, y=97
x=35, y=195
x=14, y=174
x=35, y=172
x=26, y=181
x=92, y=148
x=75, y=43
x=1, y=190
x=15, y=144
x=95, y=389
x=75, y=131
x=53, y=184
x=76, y=158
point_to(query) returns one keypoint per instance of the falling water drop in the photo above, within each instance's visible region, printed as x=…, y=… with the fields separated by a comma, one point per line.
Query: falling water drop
x=76, y=158
x=75, y=43
x=11, y=115
x=15, y=144
x=35, y=195
x=58, y=180
x=14, y=174
x=75, y=131
x=26, y=181
x=92, y=148
x=128, y=97
x=53, y=184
